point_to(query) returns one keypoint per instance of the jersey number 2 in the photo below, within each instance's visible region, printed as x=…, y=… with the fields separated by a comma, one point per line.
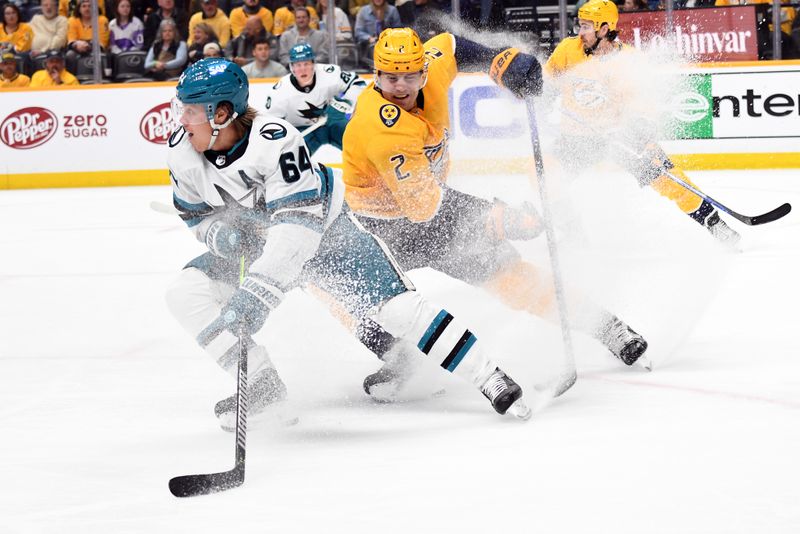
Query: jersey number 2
x=292, y=170
x=398, y=160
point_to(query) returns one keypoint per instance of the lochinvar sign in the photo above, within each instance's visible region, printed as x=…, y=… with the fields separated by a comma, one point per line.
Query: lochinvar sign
x=712, y=34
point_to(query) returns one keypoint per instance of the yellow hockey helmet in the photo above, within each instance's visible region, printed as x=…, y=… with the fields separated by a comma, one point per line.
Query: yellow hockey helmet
x=399, y=50
x=600, y=12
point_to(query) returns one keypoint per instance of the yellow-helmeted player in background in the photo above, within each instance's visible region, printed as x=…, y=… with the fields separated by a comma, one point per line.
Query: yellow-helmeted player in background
x=588, y=70
x=396, y=166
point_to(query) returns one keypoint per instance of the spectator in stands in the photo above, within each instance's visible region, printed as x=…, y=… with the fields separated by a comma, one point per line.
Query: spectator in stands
x=9, y=77
x=240, y=49
x=788, y=14
x=344, y=32
x=167, y=57
x=127, y=32
x=67, y=7
x=250, y=8
x=212, y=50
x=79, y=30
x=166, y=10
x=262, y=66
x=49, y=29
x=284, y=17
x=202, y=34
x=635, y=5
x=354, y=6
x=14, y=31
x=302, y=32
x=215, y=18
x=53, y=72
x=373, y=18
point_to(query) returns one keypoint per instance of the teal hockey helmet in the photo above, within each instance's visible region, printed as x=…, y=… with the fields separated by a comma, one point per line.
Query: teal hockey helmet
x=211, y=81
x=301, y=52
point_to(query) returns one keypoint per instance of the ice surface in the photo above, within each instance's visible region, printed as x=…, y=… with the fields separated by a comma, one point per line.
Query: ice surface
x=103, y=398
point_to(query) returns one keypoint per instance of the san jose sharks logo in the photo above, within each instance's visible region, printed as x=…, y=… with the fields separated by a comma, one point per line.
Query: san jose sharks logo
x=312, y=112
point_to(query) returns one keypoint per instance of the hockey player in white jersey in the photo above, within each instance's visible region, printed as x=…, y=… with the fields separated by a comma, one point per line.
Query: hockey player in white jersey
x=315, y=98
x=244, y=184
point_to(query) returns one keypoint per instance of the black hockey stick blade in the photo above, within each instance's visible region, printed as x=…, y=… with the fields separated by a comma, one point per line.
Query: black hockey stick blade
x=192, y=485
x=774, y=215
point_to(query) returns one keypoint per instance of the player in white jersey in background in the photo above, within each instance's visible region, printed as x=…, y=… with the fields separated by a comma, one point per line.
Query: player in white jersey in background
x=245, y=185
x=315, y=93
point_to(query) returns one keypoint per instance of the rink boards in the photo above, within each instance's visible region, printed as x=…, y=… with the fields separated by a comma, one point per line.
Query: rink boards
x=741, y=116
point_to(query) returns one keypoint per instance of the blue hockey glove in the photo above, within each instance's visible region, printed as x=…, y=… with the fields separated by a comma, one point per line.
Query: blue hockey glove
x=519, y=73
x=248, y=308
x=339, y=109
x=224, y=240
x=230, y=242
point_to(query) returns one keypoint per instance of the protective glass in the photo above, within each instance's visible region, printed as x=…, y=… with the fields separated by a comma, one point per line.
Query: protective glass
x=585, y=26
x=188, y=114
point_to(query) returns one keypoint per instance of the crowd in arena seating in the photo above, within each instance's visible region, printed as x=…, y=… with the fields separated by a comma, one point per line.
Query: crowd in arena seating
x=157, y=39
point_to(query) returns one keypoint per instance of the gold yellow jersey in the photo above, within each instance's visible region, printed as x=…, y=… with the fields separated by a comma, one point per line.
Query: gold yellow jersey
x=396, y=161
x=42, y=78
x=239, y=18
x=20, y=80
x=594, y=88
x=284, y=19
x=22, y=38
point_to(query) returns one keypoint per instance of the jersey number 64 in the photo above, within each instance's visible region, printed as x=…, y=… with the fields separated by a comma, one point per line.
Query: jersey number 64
x=293, y=168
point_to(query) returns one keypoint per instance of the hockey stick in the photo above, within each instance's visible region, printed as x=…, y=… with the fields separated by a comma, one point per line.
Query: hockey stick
x=192, y=485
x=162, y=207
x=319, y=124
x=569, y=376
x=750, y=220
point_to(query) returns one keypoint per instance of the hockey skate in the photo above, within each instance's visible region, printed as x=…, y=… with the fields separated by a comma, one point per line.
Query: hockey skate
x=266, y=401
x=505, y=395
x=384, y=384
x=387, y=383
x=625, y=343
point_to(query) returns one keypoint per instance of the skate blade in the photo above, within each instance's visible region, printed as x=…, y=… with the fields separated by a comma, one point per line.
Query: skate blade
x=276, y=415
x=644, y=362
x=385, y=394
x=520, y=410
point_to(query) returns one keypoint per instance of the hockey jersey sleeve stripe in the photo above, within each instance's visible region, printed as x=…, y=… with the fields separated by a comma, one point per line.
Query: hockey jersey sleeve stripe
x=187, y=206
x=302, y=198
x=191, y=214
x=312, y=222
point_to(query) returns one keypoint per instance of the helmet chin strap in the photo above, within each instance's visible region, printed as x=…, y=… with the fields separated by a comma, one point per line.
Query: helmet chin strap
x=590, y=50
x=217, y=127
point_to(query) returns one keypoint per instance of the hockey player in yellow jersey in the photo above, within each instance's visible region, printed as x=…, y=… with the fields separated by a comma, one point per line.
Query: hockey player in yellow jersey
x=396, y=166
x=588, y=70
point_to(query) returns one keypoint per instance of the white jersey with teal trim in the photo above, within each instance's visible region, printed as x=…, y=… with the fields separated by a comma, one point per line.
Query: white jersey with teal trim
x=269, y=179
x=303, y=106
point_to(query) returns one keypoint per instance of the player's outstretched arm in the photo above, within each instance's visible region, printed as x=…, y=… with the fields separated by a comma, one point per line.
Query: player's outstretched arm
x=520, y=73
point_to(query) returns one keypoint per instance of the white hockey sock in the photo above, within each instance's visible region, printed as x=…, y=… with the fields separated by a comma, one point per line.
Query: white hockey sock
x=196, y=300
x=437, y=334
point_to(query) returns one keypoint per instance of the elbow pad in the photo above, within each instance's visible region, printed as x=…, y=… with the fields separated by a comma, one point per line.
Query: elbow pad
x=519, y=73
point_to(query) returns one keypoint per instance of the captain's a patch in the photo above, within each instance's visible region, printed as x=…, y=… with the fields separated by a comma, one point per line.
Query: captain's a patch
x=389, y=114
